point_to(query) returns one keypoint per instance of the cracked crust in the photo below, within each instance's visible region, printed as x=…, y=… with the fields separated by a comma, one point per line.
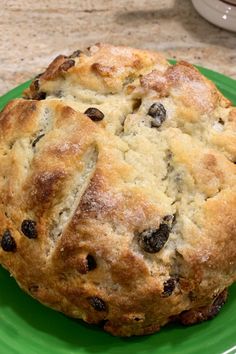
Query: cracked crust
x=96, y=188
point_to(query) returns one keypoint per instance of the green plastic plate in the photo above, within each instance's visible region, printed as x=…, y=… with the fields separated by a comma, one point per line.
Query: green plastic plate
x=27, y=327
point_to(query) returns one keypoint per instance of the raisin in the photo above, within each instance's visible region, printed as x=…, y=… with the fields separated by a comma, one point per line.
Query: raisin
x=153, y=240
x=40, y=96
x=33, y=288
x=8, y=243
x=97, y=303
x=169, y=286
x=203, y=313
x=67, y=65
x=218, y=303
x=220, y=121
x=28, y=227
x=76, y=54
x=94, y=114
x=36, y=84
x=158, y=113
x=91, y=263
x=37, y=140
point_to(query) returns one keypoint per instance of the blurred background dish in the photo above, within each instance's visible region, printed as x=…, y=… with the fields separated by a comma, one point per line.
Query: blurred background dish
x=219, y=12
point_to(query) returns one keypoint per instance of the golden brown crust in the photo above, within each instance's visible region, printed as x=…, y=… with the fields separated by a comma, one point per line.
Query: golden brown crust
x=135, y=208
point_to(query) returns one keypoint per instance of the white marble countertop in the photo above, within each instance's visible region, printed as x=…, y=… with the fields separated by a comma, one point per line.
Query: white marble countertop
x=33, y=32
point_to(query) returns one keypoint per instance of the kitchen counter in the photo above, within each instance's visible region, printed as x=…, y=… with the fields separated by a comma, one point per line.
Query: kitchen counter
x=33, y=32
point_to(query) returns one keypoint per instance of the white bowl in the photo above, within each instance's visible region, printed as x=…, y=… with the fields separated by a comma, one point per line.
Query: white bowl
x=219, y=12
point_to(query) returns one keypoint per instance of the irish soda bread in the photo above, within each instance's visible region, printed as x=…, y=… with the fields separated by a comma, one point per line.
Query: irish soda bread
x=118, y=190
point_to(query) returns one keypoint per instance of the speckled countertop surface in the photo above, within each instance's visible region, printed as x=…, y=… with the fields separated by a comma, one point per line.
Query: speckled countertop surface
x=33, y=32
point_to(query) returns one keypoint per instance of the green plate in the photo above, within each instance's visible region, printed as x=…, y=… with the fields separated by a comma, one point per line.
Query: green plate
x=27, y=327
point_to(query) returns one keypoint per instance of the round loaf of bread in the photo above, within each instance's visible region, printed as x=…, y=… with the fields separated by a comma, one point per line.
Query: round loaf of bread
x=118, y=190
